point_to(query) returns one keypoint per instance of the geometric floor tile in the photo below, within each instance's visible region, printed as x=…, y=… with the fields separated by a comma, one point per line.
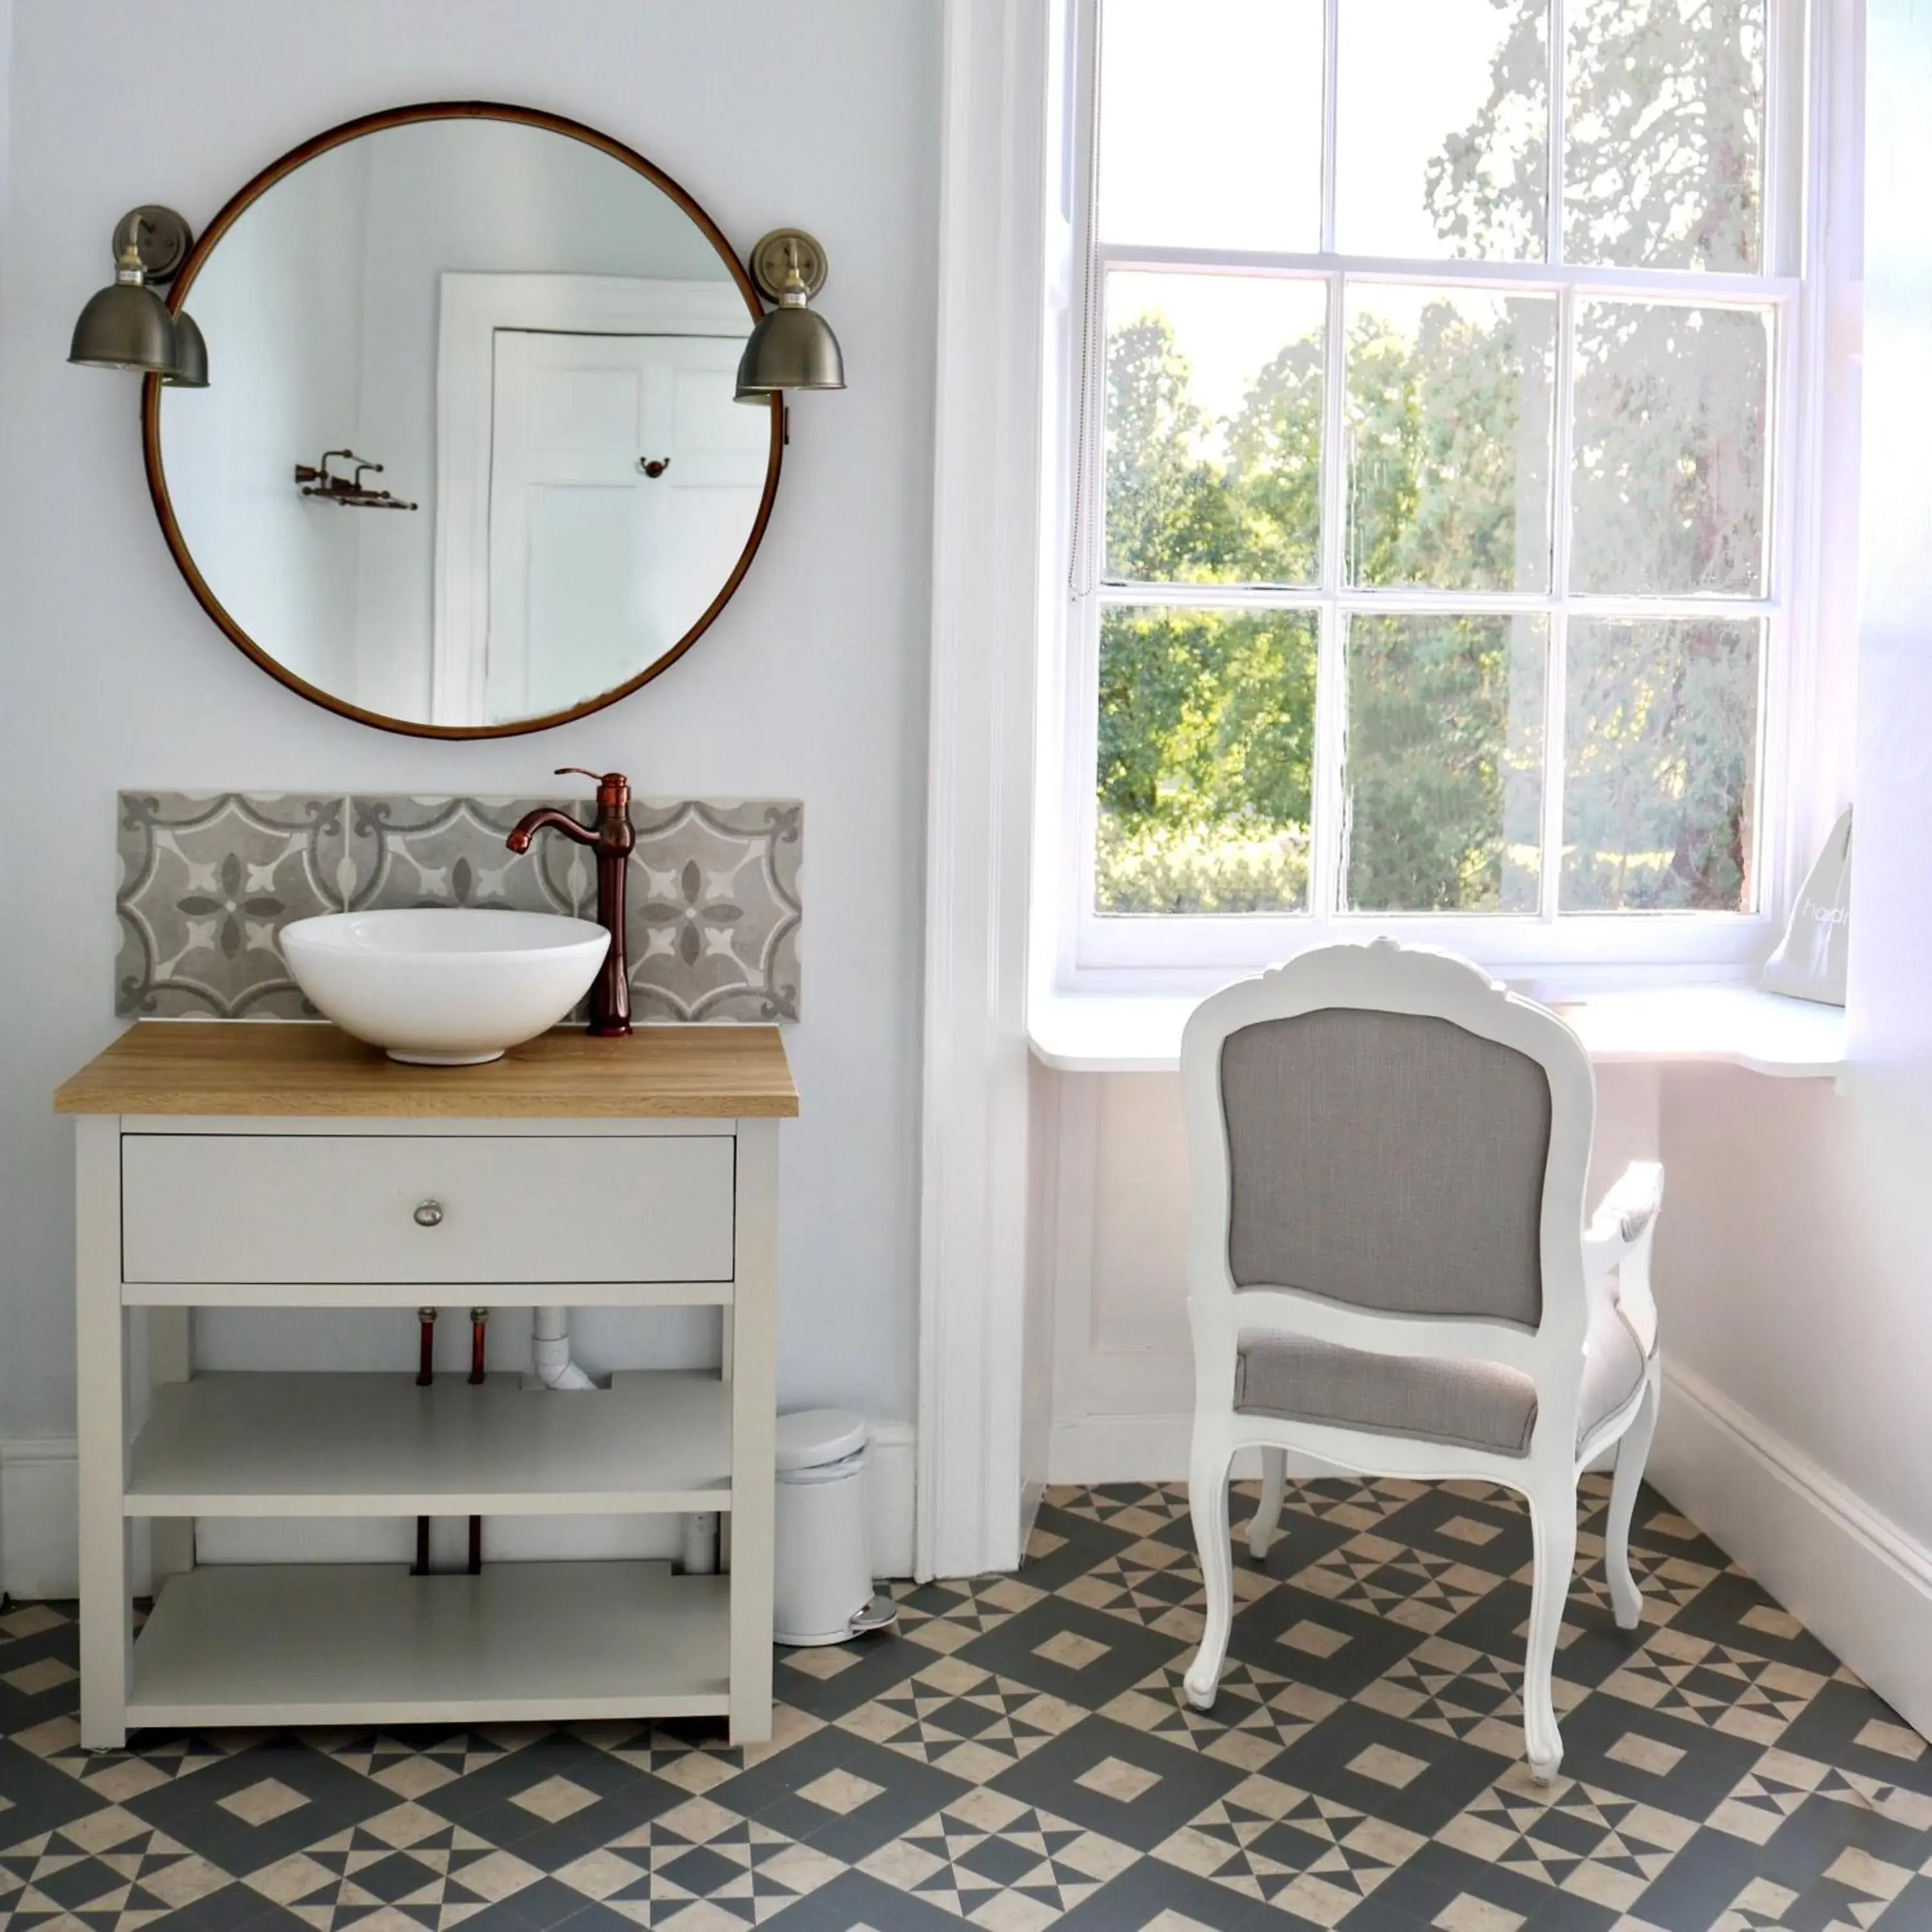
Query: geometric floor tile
x=1000, y=1863
x=744, y=1871
x=1021, y=1755
x=108, y=1870
x=1257, y=1712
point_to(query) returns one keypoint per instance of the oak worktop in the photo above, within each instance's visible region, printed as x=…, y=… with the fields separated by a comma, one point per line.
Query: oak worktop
x=291, y=1069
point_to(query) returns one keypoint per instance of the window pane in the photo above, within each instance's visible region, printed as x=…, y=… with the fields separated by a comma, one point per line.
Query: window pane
x=1449, y=438
x=1443, y=776
x=1207, y=745
x=1659, y=762
x=1213, y=429
x=1211, y=123
x=1668, y=489
x=1664, y=134
x=1442, y=126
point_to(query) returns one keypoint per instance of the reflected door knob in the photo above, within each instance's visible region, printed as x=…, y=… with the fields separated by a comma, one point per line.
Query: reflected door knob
x=654, y=466
x=429, y=1214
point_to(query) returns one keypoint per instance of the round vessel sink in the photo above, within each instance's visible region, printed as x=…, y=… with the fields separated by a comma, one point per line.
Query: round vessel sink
x=444, y=986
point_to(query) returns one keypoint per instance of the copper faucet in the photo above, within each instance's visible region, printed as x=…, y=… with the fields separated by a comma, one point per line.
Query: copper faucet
x=613, y=837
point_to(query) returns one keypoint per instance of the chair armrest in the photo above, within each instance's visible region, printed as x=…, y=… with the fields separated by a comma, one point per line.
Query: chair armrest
x=1619, y=1234
x=1624, y=1218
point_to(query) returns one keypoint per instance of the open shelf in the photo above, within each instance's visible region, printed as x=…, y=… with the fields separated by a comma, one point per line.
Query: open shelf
x=282, y=1444
x=368, y=1643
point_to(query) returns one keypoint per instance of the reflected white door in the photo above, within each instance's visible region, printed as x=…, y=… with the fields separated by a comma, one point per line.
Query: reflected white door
x=622, y=480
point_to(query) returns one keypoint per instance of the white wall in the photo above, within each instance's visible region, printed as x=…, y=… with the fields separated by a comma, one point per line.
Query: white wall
x=812, y=683
x=1797, y=1250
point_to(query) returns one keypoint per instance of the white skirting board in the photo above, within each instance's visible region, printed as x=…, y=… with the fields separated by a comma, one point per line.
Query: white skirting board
x=40, y=1542
x=39, y=1550
x=1853, y=1577
x=1145, y=1449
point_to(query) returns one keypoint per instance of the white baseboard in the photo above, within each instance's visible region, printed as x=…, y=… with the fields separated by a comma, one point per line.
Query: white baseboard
x=39, y=1541
x=1852, y=1576
x=1144, y=1449
x=39, y=1549
x=891, y=1486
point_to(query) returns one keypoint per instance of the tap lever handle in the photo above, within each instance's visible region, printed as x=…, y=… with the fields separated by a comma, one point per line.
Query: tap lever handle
x=614, y=788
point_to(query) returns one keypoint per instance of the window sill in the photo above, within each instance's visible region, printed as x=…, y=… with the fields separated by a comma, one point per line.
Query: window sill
x=1727, y=1025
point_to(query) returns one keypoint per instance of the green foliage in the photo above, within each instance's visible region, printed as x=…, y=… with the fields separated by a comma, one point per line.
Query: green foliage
x=1444, y=767
x=1144, y=865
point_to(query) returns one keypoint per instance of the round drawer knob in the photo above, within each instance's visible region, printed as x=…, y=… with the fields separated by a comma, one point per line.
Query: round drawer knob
x=429, y=1214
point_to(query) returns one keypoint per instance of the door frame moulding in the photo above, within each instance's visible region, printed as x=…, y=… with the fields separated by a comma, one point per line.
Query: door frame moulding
x=471, y=309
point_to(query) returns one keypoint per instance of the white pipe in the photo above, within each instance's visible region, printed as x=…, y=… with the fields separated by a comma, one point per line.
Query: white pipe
x=550, y=1344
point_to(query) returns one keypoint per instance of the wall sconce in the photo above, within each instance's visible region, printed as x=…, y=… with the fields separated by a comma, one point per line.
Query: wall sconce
x=127, y=326
x=792, y=347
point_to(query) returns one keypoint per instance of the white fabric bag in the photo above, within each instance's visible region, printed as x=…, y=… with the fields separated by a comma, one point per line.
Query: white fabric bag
x=1810, y=965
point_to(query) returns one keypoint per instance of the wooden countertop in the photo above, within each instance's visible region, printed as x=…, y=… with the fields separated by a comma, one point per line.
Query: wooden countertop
x=291, y=1069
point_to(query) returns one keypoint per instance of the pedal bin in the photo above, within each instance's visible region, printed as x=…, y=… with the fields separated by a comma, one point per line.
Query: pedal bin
x=822, y=1587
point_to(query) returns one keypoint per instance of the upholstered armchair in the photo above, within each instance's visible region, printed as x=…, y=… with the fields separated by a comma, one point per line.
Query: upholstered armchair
x=1388, y=1268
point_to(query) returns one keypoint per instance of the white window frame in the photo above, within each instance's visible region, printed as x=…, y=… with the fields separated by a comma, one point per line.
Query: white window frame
x=1802, y=764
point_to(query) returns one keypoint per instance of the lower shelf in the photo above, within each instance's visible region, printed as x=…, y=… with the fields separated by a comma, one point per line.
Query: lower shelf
x=366, y=1643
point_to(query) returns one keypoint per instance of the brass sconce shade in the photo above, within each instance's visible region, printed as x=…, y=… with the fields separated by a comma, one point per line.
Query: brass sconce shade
x=127, y=326
x=190, y=369
x=793, y=347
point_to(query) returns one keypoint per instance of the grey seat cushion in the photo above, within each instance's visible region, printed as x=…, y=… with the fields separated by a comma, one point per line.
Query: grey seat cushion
x=1475, y=1405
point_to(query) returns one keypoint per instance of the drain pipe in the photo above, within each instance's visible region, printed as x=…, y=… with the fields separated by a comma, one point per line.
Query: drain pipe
x=551, y=1366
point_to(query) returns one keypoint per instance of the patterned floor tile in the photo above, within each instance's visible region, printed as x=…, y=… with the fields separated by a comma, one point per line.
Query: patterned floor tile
x=964, y=1719
x=1257, y=1713
x=1021, y=1755
x=1001, y=1863
x=700, y=1865
x=108, y=1870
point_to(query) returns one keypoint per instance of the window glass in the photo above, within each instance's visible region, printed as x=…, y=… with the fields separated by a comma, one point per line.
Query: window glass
x=1664, y=110
x=1206, y=748
x=1210, y=124
x=1442, y=128
x=1667, y=493
x=1213, y=455
x=1443, y=776
x=1448, y=425
x=1660, y=764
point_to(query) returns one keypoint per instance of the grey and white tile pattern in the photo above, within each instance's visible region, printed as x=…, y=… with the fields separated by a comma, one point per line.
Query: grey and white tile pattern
x=1021, y=1757
x=209, y=879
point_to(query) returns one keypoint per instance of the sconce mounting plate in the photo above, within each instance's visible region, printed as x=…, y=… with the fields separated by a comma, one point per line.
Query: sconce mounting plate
x=163, y=238
x=771, y=261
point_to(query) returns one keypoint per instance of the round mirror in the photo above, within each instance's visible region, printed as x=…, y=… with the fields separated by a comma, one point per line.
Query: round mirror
x=468, y=461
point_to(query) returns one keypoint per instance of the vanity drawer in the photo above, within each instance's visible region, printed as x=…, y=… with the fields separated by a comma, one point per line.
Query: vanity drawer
x=504, y=1209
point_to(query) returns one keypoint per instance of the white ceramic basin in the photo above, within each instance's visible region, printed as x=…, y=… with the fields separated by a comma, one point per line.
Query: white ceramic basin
x=445, y=986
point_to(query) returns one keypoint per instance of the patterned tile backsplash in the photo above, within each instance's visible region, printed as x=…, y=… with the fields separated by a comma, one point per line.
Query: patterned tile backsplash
x=208, y=879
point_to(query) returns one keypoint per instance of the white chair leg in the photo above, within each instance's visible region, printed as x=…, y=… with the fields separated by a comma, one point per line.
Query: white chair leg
x=1261, y=1531
x=1626, y=1599
x=1552, y=1513
x=1208, y=1503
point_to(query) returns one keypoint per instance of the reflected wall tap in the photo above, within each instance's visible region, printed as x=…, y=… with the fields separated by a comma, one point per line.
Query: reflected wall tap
x=612, y=836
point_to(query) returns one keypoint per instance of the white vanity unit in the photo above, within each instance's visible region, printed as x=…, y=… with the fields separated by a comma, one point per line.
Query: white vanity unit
x=242, y=1165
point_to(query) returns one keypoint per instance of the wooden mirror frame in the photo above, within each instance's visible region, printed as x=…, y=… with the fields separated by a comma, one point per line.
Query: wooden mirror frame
x=210, y=237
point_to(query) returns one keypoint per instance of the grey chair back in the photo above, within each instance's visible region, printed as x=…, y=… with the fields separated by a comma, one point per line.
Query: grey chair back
x=1392, y=1161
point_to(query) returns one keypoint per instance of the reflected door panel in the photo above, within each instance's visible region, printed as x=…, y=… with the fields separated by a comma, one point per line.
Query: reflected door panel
x=596, y=564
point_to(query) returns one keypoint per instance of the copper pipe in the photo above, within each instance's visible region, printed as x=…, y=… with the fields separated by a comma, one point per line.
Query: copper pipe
x=613, y=837
x=479, y=1320
x=426, y=1354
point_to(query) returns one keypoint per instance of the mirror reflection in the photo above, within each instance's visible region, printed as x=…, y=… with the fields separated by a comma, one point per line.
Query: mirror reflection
x=469, y=456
